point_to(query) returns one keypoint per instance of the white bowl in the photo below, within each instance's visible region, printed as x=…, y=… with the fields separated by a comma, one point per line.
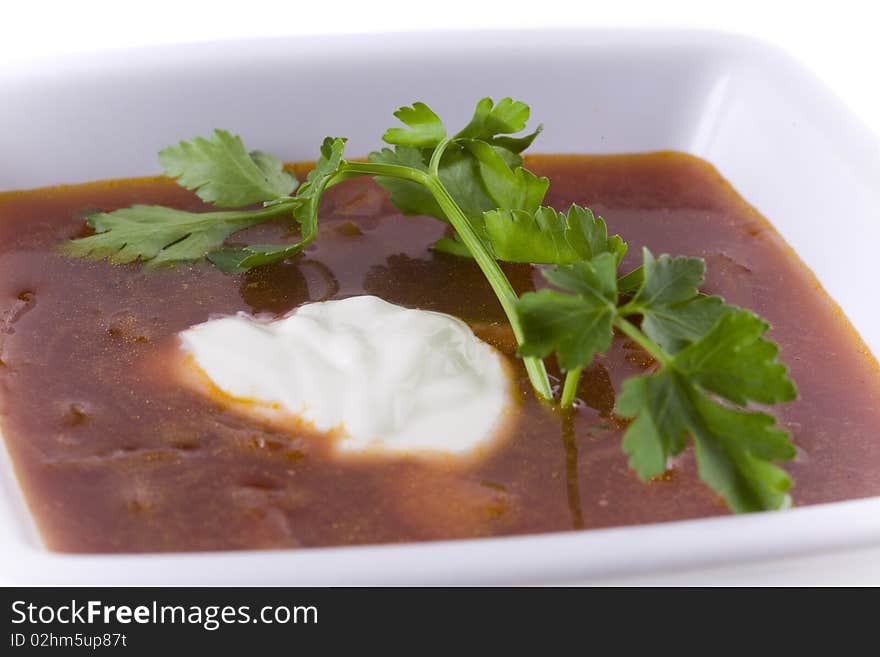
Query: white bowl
x=785, y=143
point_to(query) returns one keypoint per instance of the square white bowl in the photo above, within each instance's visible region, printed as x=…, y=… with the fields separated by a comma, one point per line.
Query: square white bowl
x=787, y=145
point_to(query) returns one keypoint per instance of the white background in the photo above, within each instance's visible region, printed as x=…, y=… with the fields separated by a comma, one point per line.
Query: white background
x=838, y=40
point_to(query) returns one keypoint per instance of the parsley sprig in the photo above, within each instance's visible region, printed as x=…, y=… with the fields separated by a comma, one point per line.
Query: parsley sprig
x=712, y=359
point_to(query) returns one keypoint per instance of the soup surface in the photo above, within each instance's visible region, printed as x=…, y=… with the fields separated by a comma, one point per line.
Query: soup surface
x=115, y=454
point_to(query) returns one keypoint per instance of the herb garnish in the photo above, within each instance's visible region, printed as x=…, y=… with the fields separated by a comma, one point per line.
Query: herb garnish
x=712, y=359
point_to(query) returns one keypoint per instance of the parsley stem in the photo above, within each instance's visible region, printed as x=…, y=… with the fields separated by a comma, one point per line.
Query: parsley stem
x=500, y=285
x=436, y=156
x=646, y=343
x=569, y=388
x=381, y=169
x=271, y=211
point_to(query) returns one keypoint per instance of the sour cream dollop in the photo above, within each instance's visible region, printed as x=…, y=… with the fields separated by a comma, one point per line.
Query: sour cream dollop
x=386, y=378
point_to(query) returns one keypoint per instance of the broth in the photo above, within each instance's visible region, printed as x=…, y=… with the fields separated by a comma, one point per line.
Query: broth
x=115, y=455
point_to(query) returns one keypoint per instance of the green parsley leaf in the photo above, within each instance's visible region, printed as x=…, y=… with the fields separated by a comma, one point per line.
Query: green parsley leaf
x=576, y=326
x=490, y=119
x=734, y=446
x=425, y=128
x=520, y=236
x=669, y=280
x=588, y=234
x=515, y=145
x=675, y=326
x=157, y=234
x=495, y=123
x=674, y=313
x=235, y=260
x=550, y=237
x=222, y=172
x=734, y=361
x=511, y=189
x=658, y=430
x=460, y=173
